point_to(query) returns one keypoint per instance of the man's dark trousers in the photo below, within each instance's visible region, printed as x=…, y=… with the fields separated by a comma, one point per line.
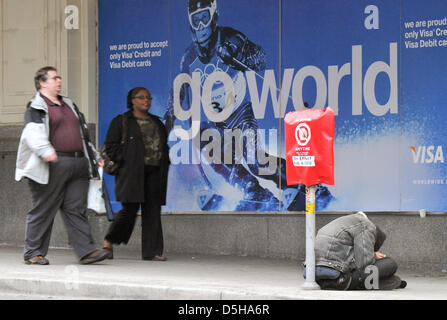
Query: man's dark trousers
x=66, y=190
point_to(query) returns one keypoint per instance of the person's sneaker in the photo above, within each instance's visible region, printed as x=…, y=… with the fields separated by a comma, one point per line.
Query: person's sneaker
x=95, y=256
x=39, y=260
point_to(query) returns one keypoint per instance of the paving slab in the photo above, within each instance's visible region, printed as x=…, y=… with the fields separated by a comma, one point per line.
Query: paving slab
x=182, y=277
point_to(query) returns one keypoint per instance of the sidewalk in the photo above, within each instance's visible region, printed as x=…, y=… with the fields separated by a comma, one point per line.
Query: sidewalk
x=182, y=277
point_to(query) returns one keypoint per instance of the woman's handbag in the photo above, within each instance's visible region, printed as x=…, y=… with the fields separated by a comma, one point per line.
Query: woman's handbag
x=111, y=167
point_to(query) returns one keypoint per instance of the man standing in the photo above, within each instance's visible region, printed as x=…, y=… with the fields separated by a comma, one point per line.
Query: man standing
x=56, y=156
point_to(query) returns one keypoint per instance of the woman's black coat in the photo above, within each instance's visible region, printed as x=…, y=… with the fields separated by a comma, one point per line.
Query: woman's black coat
x=129, y=182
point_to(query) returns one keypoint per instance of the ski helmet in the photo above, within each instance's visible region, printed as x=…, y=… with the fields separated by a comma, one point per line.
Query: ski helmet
x=202, y=13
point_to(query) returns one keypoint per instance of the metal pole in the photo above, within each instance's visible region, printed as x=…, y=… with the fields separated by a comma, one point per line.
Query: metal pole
x=309, y=283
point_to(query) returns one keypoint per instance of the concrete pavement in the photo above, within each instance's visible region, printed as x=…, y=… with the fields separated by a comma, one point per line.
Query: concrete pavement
x=182, y=277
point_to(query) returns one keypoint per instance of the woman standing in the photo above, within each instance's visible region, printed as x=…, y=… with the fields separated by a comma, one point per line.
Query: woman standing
x=142, y=176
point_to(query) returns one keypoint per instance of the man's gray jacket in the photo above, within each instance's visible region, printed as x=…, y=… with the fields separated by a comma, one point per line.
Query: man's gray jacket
x=35, y=144
x=346, y=243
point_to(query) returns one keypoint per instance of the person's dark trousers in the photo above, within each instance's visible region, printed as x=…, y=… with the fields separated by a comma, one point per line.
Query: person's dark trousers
x=386, y=267
x=121, y=228
x=354, y=280
x=66, y=190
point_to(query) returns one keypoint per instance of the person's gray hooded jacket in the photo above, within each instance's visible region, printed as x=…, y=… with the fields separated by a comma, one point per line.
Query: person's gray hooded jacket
x=35, y=144
x=348, y=243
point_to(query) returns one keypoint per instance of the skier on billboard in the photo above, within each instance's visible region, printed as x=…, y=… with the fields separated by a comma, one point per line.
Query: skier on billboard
x=216, y=48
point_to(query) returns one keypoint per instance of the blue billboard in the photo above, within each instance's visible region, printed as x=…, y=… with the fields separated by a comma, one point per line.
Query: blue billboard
x=223, y=74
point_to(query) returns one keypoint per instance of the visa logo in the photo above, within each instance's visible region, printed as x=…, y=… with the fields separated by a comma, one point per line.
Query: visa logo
x=427, y=154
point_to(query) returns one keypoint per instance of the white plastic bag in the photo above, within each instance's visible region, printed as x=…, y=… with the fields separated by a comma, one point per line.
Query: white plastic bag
x=95, y=199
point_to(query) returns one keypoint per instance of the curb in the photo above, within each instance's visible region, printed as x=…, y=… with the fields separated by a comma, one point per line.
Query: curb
x=86, y=290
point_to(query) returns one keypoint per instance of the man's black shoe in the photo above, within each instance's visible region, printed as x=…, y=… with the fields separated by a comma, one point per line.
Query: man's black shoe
x=95, y=256
x=38, y=260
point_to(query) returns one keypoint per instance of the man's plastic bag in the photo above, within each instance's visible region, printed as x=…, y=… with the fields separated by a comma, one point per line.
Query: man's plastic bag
x=98, y=198
x=95, y=200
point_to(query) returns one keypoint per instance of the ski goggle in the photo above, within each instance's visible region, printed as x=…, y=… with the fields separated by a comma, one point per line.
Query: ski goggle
x=202, y=17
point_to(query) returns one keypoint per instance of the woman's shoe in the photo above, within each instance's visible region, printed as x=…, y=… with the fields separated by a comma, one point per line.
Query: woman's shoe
x=159, y=258
x=110, y=252
x=156, y=258
x=95, y=256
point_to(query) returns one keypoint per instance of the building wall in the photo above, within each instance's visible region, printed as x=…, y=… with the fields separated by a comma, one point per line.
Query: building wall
x=34, y=34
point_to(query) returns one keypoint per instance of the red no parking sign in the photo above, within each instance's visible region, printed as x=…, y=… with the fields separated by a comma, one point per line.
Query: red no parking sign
x=309, y=137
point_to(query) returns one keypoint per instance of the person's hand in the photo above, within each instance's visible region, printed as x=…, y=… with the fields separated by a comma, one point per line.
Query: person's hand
x=52, y=157
x=380, y=255
x=227, y=51
x=101, y=163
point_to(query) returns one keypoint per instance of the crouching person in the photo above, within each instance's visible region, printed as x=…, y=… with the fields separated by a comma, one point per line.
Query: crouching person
x=347, y=256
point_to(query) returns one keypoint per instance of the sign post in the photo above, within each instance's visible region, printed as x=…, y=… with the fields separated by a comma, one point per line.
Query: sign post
x=310, y=283
x=309, y=136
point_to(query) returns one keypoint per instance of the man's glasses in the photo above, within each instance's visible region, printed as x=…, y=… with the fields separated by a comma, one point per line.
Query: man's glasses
x=143, y=97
